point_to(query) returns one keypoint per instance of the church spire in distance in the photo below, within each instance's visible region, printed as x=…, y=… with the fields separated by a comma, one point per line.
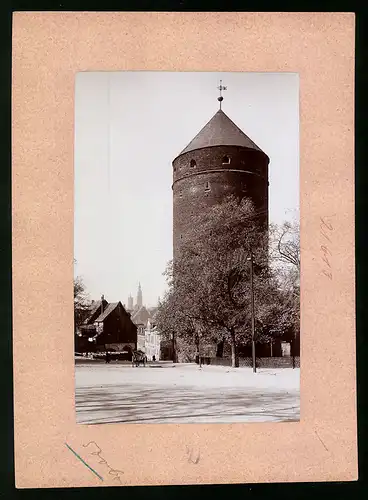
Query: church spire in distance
x=139, y=296
x=221, y=88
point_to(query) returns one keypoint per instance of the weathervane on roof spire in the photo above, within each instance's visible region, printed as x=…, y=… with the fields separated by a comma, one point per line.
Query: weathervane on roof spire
x=221, y=88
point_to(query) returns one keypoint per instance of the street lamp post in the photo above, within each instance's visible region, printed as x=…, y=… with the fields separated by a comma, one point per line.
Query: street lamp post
x=252, y=313
x=173, y=347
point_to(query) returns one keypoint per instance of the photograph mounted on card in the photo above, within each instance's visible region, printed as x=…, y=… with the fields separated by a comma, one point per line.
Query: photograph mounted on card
x=210, y=227
x=183, y=248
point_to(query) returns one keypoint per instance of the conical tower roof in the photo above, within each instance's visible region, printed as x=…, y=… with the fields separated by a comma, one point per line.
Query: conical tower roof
x=220, y=131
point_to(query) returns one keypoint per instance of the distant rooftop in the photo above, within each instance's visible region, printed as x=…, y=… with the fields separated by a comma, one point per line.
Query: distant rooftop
x=109, y=309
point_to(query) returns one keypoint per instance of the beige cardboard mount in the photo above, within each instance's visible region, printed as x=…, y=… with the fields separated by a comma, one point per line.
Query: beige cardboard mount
x=49, y=49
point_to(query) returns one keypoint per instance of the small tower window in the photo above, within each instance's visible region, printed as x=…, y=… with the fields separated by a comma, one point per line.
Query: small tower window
x=226, y=160
x=207, y=186
x=174, y=169
x=193, y=163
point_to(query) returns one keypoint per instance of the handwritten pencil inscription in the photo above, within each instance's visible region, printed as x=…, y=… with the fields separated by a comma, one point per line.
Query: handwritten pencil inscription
x=95, y=450
x=192, y=456
x=326, y=230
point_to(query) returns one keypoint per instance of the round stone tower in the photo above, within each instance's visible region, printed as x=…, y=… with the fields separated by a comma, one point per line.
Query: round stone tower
x=220, y=161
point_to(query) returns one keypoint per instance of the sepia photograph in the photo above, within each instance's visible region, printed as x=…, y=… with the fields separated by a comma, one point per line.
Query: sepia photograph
x=186, y=247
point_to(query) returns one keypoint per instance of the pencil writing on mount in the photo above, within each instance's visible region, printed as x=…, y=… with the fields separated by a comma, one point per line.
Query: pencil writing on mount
x=326, y=229
x=192, y=456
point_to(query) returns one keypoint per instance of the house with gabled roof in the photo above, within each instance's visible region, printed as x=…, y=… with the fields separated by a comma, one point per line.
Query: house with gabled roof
x=109, y=327
x=96, y=308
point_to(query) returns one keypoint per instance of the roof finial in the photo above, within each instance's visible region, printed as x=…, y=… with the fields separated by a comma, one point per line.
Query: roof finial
x=221, y=88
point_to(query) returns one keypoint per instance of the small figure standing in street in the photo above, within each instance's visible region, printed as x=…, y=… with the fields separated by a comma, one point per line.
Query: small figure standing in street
x=107, y=357
x=153, y=358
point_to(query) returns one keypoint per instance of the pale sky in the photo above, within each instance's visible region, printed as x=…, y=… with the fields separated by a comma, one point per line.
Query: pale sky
x=129, y=126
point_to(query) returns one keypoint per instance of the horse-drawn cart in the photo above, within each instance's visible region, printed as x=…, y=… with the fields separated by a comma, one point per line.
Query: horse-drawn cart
x=139, y=357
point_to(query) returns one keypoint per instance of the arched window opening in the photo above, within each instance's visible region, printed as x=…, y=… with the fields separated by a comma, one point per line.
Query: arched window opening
x=226, y=160
x=193, y=163
x=174, y=169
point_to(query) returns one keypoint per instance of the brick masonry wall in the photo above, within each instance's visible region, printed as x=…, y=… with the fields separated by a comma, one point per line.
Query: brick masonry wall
x=245, y=175
x=274, y=362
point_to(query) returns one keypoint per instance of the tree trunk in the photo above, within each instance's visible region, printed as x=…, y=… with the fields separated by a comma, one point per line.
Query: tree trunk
x=174, y=354
x=234, y=352
x=196, y=343
x=220, y=349
x=199, y=353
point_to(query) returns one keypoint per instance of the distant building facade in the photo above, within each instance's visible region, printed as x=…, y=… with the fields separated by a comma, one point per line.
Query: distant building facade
x=141, y=337
x=152, y=342
x=156, y=345
x=148, y=338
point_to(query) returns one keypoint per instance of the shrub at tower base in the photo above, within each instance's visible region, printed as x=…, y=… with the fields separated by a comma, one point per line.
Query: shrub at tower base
x=209, y=298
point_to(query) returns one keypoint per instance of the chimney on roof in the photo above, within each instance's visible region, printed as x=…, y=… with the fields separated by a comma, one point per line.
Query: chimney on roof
x=102, y=303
